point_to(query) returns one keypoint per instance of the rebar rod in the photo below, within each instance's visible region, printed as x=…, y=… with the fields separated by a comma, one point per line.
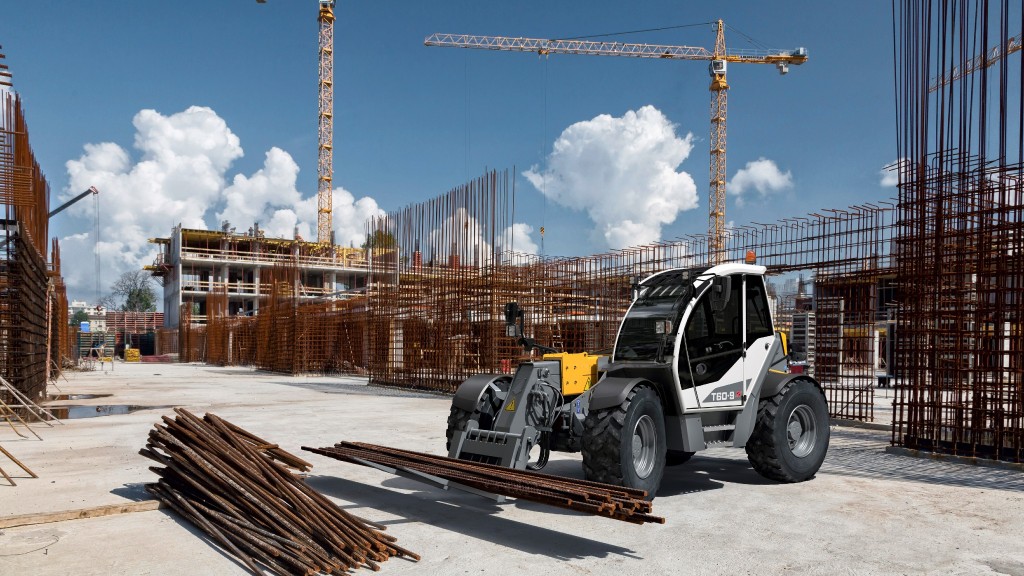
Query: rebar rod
x=592, y=497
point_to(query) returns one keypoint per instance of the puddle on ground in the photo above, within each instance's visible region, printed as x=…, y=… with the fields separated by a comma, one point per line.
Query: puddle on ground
x=76, y=412
x=61, y=397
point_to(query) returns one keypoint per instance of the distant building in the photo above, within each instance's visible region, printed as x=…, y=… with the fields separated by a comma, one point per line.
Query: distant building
x=97, y=314
x=193, y=263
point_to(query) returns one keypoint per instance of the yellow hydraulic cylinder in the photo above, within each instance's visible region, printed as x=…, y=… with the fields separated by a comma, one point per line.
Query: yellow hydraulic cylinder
x=579, y=371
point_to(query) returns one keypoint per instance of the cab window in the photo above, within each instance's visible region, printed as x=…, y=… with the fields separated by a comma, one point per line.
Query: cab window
x=714, y=332
x=759, y=318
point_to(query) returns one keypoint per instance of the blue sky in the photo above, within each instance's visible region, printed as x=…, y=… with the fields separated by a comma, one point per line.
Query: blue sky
x=412, y=122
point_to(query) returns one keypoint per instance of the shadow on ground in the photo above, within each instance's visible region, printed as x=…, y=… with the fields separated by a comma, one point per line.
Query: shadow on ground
x=468, y=515
x=356, y=389
x=861, y=453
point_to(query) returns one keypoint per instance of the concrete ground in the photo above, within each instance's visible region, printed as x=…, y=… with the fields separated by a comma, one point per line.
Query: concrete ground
x=866, y=512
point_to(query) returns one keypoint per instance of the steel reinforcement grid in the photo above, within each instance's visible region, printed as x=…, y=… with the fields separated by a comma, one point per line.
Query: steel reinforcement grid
x=28, y=318
x=440, y=277
x=441, y=274
x=959, y=252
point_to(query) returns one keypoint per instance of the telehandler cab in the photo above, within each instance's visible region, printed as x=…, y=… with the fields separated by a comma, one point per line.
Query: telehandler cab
x=696, y=363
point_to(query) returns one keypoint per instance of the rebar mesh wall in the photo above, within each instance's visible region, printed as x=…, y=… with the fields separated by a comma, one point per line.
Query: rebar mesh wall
x=435, y=307
x=275, y=329
x=218, y=341
x=959, y=247
x=166, y=341
x=26, y=312
x=60, y=351
x=191, y=337
x=440, y=281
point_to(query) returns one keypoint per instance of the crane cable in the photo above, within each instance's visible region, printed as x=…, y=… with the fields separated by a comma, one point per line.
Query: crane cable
x=663, y=28
x=543, y=147
x=96, y=245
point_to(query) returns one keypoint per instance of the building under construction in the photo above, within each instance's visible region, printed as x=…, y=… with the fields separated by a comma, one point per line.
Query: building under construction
x=192, y=264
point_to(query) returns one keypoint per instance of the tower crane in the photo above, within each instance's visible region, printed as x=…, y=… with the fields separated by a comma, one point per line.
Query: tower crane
x=325, y=120
x=991, y=56
x=719, y=59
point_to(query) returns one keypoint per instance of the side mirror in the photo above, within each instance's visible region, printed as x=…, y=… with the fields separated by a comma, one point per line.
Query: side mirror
x=513, y=313
x=721, y=290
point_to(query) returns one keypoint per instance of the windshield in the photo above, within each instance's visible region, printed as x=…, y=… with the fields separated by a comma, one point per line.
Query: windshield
x=652, y=322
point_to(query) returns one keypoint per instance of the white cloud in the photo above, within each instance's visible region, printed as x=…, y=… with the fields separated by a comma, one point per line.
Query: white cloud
x=622, y=171
x=180, y=178
x=271, y=198
x=516, y=238
x=349, y=216
x=762, y=176
x=250, y=199
x=891, y=173
x=473, y=246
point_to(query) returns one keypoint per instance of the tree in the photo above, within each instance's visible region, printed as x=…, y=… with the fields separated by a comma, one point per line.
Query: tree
x=133, y=292
x=78, y=317
x=380, y=240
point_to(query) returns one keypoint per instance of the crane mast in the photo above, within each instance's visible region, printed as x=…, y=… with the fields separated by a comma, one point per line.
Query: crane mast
x=719, y=59
x=325, y=120
x=325, y=124
x=716, y=187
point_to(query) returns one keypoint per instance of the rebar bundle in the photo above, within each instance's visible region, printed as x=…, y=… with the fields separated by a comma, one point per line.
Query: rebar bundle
x=240, y=491
x=626, y=504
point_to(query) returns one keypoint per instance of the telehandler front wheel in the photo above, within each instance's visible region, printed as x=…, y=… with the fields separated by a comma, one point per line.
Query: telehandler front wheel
x=486, y=410
x=625, y=445
x=791, y=435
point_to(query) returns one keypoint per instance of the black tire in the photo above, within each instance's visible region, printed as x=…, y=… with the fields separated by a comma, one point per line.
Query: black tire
x=790, y=438
x=677, y=457
x=612, y=438
x=486, y=409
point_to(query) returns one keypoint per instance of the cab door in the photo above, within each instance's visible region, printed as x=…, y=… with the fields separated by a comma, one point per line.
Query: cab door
x=711, y=357
x=759, y=334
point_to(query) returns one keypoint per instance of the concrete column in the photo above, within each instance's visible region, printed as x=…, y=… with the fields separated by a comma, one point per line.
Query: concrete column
x=256, y=282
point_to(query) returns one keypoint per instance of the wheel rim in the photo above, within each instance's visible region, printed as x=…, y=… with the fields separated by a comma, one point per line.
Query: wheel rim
x=801, y=431
x=645, y=443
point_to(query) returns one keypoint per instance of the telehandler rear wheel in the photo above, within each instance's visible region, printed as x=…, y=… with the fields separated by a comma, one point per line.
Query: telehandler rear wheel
x=486, y=410
x=625, y=445
x=791, y=435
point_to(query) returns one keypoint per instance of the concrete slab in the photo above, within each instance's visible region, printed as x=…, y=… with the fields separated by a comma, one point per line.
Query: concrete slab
x=866, y=512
